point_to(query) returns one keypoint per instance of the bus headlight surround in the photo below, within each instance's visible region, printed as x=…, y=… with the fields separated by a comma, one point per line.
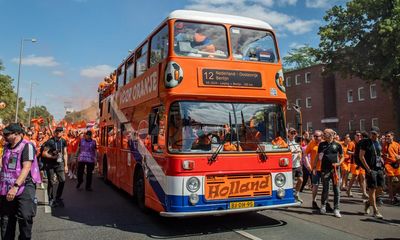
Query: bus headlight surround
x=280, y=180
x=193, y=184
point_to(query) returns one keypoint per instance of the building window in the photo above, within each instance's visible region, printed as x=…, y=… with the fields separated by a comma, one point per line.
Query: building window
x=375, y=122
x=309, y=127
x=298, y=102
x=288, y=81
x=372, y=91
x=349, y=96
x=361, y=94
x=288, y=105
x=308, y=102
x=351, y=125
x=297, y=80
x=307, y=77
x=362, y=124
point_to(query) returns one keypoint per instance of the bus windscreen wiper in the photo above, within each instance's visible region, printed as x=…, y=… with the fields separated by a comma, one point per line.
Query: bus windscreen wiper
x=221, y=145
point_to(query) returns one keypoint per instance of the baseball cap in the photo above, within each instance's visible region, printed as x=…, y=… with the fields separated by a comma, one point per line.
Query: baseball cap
x=59, y=129
x=13, y=128
x=375, y=130
x=292, y=130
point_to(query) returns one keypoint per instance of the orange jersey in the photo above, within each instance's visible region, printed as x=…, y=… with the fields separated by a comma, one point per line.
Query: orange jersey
x=345, y=154
x=351, y=148
x=312, y=150
x=390, y=152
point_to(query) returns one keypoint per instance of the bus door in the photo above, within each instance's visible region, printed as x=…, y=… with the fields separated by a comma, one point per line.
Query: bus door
x=125, y=160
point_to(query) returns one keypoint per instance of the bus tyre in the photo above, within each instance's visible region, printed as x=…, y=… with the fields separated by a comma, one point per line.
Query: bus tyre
x=105, y=170
x=140, y=190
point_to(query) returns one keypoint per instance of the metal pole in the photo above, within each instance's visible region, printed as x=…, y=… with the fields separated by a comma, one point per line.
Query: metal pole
x=19, y=75
x=30, y=105
x=34, y=110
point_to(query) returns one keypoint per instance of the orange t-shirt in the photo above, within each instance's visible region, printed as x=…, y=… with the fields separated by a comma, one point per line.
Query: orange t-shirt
x=390, y=151
x=345, y=154
x=351, y=147
x=312, y=149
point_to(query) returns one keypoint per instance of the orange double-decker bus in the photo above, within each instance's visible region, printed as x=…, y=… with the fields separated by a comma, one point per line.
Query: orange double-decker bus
x=194, y=123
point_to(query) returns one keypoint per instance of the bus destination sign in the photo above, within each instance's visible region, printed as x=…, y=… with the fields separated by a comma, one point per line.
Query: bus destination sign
x=231, y=78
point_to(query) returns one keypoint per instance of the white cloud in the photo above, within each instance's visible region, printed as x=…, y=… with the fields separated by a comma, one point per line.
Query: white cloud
x=99, y=71
x=318, y=3
x=298, y=26
x=33, y=60
x=296, y=45
x=57, y=73
x=259, y=9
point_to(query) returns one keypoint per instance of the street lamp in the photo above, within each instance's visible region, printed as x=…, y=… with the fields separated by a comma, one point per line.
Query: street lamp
x=19, y=71
x=30, y=103
x=298, y=118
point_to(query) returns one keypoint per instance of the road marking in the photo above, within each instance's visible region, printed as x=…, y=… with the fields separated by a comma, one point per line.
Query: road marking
x=47, y=208
x=246, y=234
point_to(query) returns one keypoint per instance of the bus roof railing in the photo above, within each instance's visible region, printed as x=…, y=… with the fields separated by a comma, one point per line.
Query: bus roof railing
x=191, y=15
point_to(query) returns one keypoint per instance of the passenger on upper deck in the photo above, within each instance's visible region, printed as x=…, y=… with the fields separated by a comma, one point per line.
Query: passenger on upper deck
x=197, y=37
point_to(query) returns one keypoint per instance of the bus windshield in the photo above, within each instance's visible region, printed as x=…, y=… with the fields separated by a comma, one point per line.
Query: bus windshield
x=200, y=40
x=253, y=45
x=240, y=127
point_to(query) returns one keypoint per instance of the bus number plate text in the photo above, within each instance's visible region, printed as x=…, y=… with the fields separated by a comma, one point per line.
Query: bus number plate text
x=231, y=78
x=246, y=204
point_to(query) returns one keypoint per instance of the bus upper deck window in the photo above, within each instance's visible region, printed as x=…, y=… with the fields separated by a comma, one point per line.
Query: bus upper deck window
x=200, y=40
x=253, y=45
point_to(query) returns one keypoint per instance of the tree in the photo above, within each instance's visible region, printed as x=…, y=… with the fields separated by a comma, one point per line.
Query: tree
x=363, y=39
x=301, y=57
x=40, y=111
x=8, y=95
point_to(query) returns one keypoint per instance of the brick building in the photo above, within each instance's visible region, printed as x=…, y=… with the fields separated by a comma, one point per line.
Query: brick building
x=344, y=104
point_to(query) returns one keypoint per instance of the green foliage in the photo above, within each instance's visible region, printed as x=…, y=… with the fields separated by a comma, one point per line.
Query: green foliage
x=40, y=111
x=301, y=57
x=8, y=95
x=363, y=39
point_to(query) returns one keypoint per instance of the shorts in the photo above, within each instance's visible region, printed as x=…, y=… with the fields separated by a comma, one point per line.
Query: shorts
x=376, y=179
x=315, y=179
x=356, y=170
x=346, y=166
x=391, y=171
x=297, y=172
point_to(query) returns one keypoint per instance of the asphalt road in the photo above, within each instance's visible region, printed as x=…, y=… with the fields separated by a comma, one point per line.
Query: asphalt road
x=108, y=213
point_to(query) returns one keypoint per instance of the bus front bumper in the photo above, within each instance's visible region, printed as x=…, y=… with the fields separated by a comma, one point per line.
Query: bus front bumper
x=226, y=211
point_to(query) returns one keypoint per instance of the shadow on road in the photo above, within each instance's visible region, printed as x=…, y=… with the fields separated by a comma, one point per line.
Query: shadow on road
x=110, y=207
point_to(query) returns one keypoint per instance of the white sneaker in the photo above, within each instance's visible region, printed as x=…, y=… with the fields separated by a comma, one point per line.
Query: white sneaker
x=337, y=214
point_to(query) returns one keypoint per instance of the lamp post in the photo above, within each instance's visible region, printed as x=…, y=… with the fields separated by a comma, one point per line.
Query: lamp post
x=30, y=104
x=19, y=72
x=298, y=118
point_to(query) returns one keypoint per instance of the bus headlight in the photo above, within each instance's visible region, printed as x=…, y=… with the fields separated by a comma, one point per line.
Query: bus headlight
x=280, y=193
x=193, y=184
x=193, y=199
x=280, y=180
x=173, y=75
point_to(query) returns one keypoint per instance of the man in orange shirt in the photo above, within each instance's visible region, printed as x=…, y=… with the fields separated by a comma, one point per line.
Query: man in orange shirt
x=345, y=167
x=312, y=153
x=391, y=155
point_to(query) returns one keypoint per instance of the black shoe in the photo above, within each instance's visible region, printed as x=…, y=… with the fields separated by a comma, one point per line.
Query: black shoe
x=329, y=208
x=59, y=202
x=315, y=205
x=78, y=185
x=89, y=189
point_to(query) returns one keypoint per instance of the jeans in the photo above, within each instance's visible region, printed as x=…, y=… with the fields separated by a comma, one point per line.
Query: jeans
x=58, y=170
x=326, y=178
x=21, y=209
x=89, y=173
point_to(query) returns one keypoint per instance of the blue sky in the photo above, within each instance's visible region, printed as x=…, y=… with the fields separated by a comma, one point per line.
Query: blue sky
x=81, y=41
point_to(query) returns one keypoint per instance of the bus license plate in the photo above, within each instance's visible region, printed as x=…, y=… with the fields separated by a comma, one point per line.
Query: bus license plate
x=247, y=204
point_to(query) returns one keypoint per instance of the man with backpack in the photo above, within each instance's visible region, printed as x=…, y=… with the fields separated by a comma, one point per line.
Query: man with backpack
x=372, y=162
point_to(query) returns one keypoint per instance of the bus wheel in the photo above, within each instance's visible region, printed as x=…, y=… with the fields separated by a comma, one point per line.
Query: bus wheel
x=139, y=190
x=105, y=170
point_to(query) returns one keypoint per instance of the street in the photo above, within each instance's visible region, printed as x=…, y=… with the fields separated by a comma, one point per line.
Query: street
x=108, y=213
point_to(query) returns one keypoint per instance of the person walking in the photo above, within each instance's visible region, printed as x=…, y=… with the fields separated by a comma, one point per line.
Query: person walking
x=372, y=162
x=312, y=152
x=330, y=153
x=86, y=157
x=18, y=177
x=55, y=159
x=296, y=162
x=391, y=155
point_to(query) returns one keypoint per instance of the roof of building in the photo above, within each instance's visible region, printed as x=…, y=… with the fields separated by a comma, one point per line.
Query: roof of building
x=218, y=18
